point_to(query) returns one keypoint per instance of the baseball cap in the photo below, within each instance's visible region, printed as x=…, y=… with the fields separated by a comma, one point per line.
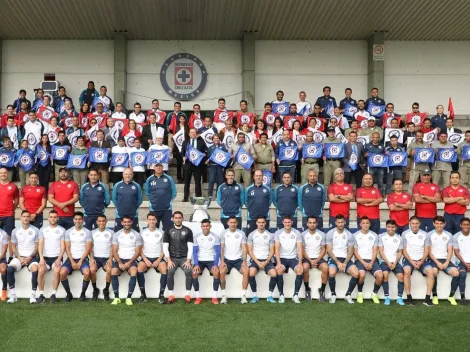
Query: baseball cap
x=426, y=172
x=330, y=129
x=158, y=163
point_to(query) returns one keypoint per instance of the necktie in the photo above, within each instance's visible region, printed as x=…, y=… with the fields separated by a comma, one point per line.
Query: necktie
x=194, y=143
x=99, y=144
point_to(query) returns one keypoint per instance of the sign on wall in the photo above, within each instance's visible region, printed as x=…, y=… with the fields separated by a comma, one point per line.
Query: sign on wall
x=183, y=76
x=378, y=52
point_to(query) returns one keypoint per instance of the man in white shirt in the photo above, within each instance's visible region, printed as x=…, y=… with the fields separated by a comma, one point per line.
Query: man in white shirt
x=137, y=115
x=24, y=250
x=101, y=255
x=51, y=249
x=233, y=254
x=304, y=107
x=33, y=130
x=119, y=113
x=461, y=244
x=288, y=249
x=78, y=244
x=260, y=245
x=365, y=251
x=127, y=245
x=152, y=257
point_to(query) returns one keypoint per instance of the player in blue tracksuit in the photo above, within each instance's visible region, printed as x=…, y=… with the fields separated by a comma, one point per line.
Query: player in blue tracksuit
x=94, y=198
x=312, y=199
x=285, y=199
x=161, y=190
x=286, y=163
x=257, y=201
x=230, y=197
x=127, y=197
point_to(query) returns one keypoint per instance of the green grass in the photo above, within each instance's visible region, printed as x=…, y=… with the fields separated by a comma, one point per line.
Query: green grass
x=98, y=326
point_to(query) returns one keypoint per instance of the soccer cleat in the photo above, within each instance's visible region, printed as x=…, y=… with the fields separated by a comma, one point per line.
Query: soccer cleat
x=409, y=302
x=12, y=299
x=387, y=301
x=321, y=295
x=32, y=299
x=308, y=295
x=270, y=299
x=96, y=293
x=143, y=299
x=243, y=300
x=162, y=300
x=106, y=294
x=428, y=302
x=83, y=298
x=116, y=301
x=215, y=301
x=4, y=295
x=400, y=301
x=359, y=299
x=129, y=302
x=53, y=299
x=333, y=299
x=463, y=302
x=435, y=300
x=282, y=299
x=68, y=298
x=187, y=299
x=296, y=299
x=223, y=300
x=452, y=301
x=375, y=299
x=171, y=299
x=198, y=300
x=41, y=299
x=254, y=300
x=349, y=299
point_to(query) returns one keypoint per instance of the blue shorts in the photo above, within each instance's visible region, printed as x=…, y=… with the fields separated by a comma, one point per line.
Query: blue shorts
x=332, y=264
x=463, y=267
x=101, y=263
x=116, y=264
x=50, y=262
x=289, y=264
x=206, y=265
x=422, y=269
x=375, y=266
x=442, y=261
x=266, y=269
x=320, y=262
x=68, y=265
x=237, y=264
x=398, y=268
x=152, y=260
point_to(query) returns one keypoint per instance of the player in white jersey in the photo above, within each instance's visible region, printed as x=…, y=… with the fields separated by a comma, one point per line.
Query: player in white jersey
x=233, y=254
x=152, y=257
x=3, y=263
x=461, y=242
x=441, y=255
x=416, y=247
x=51, y=249
x=101, y=256
x=127, y=245
x=260, y=245
x=391, y=250
x=24, y=247
x=206, y=255
x=314, y=250
x=365, y=250
x=340, y=248
x=288, y=248
x=78, y=244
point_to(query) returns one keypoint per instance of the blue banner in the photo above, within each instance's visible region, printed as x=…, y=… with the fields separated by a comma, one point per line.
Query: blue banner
x=466, y=152
x=424, y=155
x=267, y=178
x=7, y=158
x=281, y=108
x=330, y=109
x=397, y=159
x=99, y=155
x=119, y=160
x=60, y=152
x=377, y=160
x=138, y=158
x=158, y=156
x=312, y=151
x=334, y=150
x=220, y=157
x=36, y=104
x=287, y=153
x=447, y=155
x=349, y=110
x=376, y=109
x=244, y=159
x=43, y=155
x=193, y=155
x=77, y=161
x=26, y=160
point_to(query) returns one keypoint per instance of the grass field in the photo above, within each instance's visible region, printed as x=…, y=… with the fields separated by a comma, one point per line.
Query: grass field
x=98, y=326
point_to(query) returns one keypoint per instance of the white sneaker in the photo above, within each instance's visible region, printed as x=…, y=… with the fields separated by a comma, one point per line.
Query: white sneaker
x=32, y=299
x=12, y=299
x=332, y=299
x=296, y=299
x=244, y=301
x=281, y=299
x=349, y=299
x=223, y=300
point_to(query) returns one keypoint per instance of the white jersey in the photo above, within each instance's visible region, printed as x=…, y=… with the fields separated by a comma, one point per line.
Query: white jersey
x=119, y=115
x=288, y=243
x=102, y=241
x=52, y=238
x=391, y=245
x=439, y=243
x=233, y=243
x=152, y=242
x=261, y=242
x=462, y=243
x=415, y=243
x=25, y=240
x=127, y=243
x=78, y=240
x=313, y=243
x=205, y=246
x=137, y=118
x=365, y=244
x=3, y=238
x=340, y=242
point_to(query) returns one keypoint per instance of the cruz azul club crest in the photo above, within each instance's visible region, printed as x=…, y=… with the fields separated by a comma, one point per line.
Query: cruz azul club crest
x=220, y=157
x=5, y=158
x=183, y=76
x=397, y=158
x=424, y=154
x=378, y=159
x=99, y=155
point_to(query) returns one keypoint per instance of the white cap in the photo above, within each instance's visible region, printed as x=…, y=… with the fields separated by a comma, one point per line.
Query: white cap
x=160, y=132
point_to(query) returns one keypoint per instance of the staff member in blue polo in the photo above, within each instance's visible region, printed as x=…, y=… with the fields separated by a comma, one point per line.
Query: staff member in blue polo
x=127, y=198
x=230, y=197
x=312, y=199
x=161, y=190
x=94, y=198
x=285, y=199
x=257, y=201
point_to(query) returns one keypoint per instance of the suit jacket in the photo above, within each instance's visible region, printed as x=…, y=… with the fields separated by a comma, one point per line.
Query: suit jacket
x=201, y=146
x=147, y=134
x=105, y=144
x=456, y=130
x=347, y=155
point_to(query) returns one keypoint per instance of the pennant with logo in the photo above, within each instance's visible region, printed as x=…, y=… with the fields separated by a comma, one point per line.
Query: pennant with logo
x=72, y=137
x=66, y=119
x=375, y=109
x=276, y=138
x=83, y=120
x=389, y=132
x=416, y=119
x=349, y=110
x=229, y=139
x=193, y=155
x=7, y=158
x=298, y=137
x=289, y=121
x=100, y=119
x=287, y=152
x=120, y=123
x=334, y=150
x=113, y=133
x=363, y=121
x=312, y=151
x=26, y=160
x=32, y=140
x=207, y=137
x=319, y=123
x=130, y=140
x=409, y=140
x=363, y=140
x=91, y=133
x=377, y=160
x=244, y=159
x=281, y=108
x=37, y=104
x=42, y=155
x=222, y=115
x=45, y=113
x=455, y=138
x=269, y=118
x=340, y=136
x=397, y=159
x=330, y=109
x=446, y=155
x=158, y=156
x=267, y=178
x=220, y=157
x=60, y=152
x=77, y=161
x=178, y=138
x=13, y=134
x=196, y=122
x=430, y=136
x=99, y=155
x=318, y=136
x=119, y=160
x=466, y=152
x=424, y=155
x=138, y=158
x=387, y=120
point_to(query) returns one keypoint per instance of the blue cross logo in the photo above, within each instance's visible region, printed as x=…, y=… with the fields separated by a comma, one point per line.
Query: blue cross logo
x=183, y=76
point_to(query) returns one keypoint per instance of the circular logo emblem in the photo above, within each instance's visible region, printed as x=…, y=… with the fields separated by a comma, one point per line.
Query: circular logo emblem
x=292, y=236
x=444, y=238
x=281, y=109
x=351, y=110
x=197, y=124
x=237, y=236
x=99, y=119
x=119, y=124
x=353, y=159
x=292, y=189
x=183, y=76
x=133, y=187
x=228, y=141
x=53, y=137
x=371, y=238
x=243, y=158
x=68, y=122
x=455, y=138
x=131, y=237
x=25, y=159
x=139, y=159
x=220, y=157
x=208, y=138
x=165, y=180
x=394, y=134
x=158, y=156
x=270, y=119
x=318, y=137
x=312, y=149
x=334, y=150
x=289, y=153
x=430, y=136
x=76, y=161
x=416, y=119
x=378, y=159
x=46, y=114
x=247, y=119
x=264, y=190
x=265, y=237
x=317, y=123
x=376, y=110
x=331, y=112
x=236, y=188
x=32, y=139
x=447, y=155
x=180, y=139
x=420, y=237
x=424, y=155
x=99, y=189
x=361, y=140
x=69, y=186
x=388, y=121
x=4, y=159
x=119, y=159
x=317, y=238
x=84, y=121
x=223, y=116
x=98, y=155
x=265, y=180
x=60, y=153
x=130, y=141
x=193, y=155
x=364, y=123
x=397, y=158
x=93, y=136
x=344, y=237
x=395, y=241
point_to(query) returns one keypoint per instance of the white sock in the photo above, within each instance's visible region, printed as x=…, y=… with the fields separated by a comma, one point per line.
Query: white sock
x=13, y=291
x=33, y=293
x=214, y=294
x=41, y=293
x=254, y=294
x=198, y=294
x=243, y=293
x=188, y=293
x=54, y=292
x=170, y=293
x=270, y=293
x=223, y=293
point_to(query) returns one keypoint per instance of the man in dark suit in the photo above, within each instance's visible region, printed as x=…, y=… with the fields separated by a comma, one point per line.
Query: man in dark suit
x=451, y=129
x=353, y=160
x=102, y=168
x=189, y=169
x=149, y=132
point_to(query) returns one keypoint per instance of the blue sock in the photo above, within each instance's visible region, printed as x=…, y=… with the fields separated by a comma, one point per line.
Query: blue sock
x=462, y=283
x=352, y=286
x=141, y=281
x=11, y=276
x=332, y=284
x=34, y=280
x=298, y=284
x=376, y=288
x=272, y=284
x=115, y=283
x=196, y=284
x=454, y=284
x=4, y=282
x=132, y=282
x=386, y=288
x=216, y=284
x=280, y=285
x=434, y=287
x=401, y=288
x=85, y=286
x=252, y=281
x=66, y=286
x=163, y=278
x=360, y=287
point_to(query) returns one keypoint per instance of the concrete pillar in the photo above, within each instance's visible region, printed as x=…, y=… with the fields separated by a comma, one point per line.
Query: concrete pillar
x=120, y=68
x=248, y=68
x=375, y=71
